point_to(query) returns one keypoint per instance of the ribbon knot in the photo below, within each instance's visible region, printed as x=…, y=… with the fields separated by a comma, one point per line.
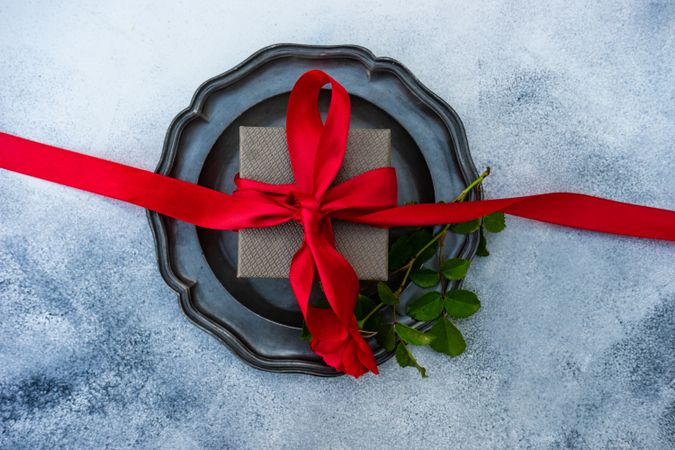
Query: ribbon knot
x=302, y=200
x=307, y=211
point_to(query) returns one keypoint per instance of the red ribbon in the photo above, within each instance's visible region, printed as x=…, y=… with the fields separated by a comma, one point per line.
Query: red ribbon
x=316, y=153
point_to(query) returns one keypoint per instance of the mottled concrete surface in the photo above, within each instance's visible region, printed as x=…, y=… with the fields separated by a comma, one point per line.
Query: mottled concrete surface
x=574, y=347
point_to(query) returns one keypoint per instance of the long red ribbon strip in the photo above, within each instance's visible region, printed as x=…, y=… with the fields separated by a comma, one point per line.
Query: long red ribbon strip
x=316, y=151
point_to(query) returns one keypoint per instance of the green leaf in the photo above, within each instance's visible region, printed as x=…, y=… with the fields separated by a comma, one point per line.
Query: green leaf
x=405, y=359
x=411, y=335
x=363, y=306
x=425, y=278
x=494, y=222
x=455, y=268
x=404, y=248
x=429, y=252
x=372, y=324
x=461, y=303
x=466, y=227
x=304, y=334
x=386, y=295
x=417, y=241
x=399, y=253
x=447, y=338
x=482, y=245
x=386, y=337
x=427, y=307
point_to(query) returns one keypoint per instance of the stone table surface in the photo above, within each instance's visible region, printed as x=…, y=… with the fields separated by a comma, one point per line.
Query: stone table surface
x=574, y=346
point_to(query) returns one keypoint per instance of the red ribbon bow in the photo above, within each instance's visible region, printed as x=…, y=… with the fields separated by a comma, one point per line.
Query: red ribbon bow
x=316, y=153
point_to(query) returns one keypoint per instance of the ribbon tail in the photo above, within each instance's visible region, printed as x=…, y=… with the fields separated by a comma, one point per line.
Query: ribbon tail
x=301, y=276
x=175, y=198
x=322, y=323
x=562, y=208
x=341, y=286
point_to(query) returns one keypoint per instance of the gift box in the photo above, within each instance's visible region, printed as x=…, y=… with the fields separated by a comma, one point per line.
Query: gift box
x=267, y=252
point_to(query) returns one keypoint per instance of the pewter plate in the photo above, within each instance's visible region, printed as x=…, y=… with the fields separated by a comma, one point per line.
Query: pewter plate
x=258, y=319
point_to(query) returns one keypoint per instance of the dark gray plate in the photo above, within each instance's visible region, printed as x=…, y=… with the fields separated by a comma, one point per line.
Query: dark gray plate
x=258, y=318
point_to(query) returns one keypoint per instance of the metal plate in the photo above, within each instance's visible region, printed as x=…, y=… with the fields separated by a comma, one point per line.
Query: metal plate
x=258, y=318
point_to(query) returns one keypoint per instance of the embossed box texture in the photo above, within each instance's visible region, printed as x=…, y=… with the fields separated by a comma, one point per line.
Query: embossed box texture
x=267, y=252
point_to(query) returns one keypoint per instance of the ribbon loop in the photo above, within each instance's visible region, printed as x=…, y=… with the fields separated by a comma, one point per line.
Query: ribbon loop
x=316, y=150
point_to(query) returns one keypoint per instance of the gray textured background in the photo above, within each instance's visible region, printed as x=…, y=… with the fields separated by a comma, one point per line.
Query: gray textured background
x=574, y=345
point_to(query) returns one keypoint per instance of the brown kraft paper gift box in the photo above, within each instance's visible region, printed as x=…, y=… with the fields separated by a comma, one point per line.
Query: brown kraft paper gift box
x=267, y=252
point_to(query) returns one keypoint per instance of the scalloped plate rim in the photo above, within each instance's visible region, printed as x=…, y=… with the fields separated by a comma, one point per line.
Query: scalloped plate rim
x=182, y=287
